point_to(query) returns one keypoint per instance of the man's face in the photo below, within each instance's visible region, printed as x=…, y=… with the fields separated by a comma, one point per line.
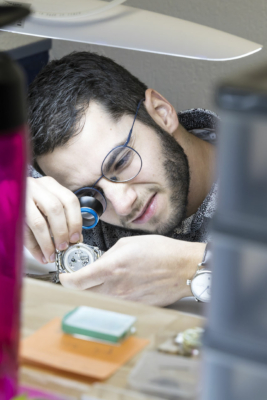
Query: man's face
x=155, y=200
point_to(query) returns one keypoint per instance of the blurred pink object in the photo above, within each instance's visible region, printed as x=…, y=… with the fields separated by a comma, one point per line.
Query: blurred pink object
x=13, y=162
x=38, y=394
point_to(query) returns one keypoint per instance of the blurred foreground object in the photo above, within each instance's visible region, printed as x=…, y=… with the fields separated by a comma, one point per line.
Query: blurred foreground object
x=13, y=161
x=111, y=24
x=186, y=343
x=10, y=14
x=169, y=376
x=236, y=337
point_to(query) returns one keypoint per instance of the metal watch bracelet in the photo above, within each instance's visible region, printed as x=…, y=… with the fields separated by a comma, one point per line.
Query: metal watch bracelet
x=59, y=257
x=53, y=276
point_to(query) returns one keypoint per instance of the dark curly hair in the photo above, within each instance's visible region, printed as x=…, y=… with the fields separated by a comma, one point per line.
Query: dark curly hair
x=61, y=93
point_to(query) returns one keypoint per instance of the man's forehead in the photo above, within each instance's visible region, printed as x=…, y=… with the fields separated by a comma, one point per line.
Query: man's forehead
x=79, y=161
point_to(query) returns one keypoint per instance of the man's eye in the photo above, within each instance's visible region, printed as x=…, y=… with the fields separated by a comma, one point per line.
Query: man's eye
x=123, y=161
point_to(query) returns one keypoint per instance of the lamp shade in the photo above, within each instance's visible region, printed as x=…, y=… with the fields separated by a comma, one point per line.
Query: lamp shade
x=10, y=14
x=109, y=24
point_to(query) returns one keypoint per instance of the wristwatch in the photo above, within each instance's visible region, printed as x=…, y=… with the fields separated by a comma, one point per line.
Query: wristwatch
x=76, y=257
x=71, y=260
x=201, y=282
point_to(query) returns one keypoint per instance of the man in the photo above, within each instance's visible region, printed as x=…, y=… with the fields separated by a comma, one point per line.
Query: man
x=83, y=106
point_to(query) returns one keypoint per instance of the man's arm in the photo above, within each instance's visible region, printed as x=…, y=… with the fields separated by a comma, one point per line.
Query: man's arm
x=152, y=269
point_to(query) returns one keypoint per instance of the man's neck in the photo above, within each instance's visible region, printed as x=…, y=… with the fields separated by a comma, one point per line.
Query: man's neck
x=201, y=159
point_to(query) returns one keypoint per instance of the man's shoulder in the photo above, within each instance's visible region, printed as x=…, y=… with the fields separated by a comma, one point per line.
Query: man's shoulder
x=201, y=123
x=198, y=118
x=196, y=227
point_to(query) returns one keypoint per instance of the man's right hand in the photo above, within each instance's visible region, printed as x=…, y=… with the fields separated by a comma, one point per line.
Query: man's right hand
x=51, y=210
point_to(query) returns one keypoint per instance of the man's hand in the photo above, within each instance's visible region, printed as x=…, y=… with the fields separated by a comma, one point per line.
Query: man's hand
x=151, y=269
x=51, y=210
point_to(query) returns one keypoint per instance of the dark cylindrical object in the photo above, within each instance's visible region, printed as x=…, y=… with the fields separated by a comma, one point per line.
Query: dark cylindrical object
x=93, y=205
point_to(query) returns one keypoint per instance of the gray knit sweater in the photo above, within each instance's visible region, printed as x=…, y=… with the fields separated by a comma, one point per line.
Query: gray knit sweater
x=195, y=228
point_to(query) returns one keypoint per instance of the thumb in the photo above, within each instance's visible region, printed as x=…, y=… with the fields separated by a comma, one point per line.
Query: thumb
x=92, y=275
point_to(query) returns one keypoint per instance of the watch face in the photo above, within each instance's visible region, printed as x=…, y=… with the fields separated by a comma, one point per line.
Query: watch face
x=77, y=257
x=201, y=286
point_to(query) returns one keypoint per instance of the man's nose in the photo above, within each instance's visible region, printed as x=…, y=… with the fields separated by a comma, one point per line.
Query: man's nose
x=122, y=196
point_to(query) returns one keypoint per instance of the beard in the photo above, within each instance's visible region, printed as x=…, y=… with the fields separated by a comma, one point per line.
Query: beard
x=177, y=177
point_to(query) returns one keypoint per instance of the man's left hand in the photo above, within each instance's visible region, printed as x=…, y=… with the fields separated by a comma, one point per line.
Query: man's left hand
x=152, y=269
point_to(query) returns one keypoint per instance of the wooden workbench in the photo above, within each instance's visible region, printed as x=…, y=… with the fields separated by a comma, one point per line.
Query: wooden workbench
x=43, y=301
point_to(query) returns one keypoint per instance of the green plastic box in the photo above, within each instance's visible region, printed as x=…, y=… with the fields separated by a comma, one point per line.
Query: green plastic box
x=97, y=324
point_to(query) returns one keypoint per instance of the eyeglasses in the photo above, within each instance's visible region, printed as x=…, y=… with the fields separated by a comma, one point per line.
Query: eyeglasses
x=121, y=164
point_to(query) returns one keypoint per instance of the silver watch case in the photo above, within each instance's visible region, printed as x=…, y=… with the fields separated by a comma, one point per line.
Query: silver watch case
x=76, y=257
x=198, y=273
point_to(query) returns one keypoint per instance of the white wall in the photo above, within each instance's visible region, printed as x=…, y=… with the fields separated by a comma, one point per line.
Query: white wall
x=189, y=83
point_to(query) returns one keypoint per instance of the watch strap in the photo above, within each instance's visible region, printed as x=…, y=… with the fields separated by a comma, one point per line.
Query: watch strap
x=206, y=257
x=100, y=253
x=59, y=258
x=58, y=261
x=51, y=276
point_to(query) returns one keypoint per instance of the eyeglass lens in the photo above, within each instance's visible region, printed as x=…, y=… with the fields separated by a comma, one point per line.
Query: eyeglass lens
x=121, y=164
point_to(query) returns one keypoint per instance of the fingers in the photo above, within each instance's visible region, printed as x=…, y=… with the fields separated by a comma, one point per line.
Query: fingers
x=51, y=208
x=73, y=216
x=100, y=275
x=63, y=212
x=33, y=246
x=39, y=241
x=90, y=276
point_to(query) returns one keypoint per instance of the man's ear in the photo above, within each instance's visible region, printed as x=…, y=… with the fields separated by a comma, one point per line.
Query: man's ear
x=161, y=111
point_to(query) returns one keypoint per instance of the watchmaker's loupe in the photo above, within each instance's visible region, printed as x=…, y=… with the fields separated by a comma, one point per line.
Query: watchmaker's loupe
x=93, y=204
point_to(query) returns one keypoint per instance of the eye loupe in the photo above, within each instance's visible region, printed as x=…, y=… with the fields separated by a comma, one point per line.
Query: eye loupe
x=93, y=205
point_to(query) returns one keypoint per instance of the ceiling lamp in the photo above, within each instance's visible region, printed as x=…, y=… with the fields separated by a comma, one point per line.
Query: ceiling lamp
x=115, y=25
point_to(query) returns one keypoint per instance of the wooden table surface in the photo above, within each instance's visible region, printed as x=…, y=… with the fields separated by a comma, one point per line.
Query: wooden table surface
x=44, y=301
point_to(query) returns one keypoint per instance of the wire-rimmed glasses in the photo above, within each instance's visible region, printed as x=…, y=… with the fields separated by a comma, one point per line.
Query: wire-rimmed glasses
x=122, y=163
